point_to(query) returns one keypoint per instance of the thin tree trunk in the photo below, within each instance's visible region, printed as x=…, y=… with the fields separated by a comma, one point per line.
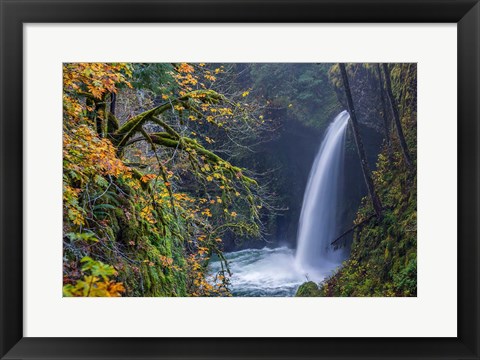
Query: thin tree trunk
x=386, y=126
x=396, y=117
x=377, y=205
x=101, y=117
x=113, y=102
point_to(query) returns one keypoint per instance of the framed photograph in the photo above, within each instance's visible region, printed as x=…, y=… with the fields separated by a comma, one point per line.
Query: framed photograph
x=215, y=179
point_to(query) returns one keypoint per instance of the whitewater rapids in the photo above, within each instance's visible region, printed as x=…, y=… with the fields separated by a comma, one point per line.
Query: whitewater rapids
x=265, y=272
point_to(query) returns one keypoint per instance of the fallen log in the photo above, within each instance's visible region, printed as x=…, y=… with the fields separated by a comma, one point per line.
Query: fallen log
x=353, y=228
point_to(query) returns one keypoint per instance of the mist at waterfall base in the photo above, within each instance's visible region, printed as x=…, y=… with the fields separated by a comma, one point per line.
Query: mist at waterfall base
x=279, y=271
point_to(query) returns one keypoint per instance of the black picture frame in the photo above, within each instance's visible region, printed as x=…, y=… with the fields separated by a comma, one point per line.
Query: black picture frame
x=14, y=13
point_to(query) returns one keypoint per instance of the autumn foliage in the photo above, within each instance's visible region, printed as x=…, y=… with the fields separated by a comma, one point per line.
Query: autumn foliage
x=146, y=201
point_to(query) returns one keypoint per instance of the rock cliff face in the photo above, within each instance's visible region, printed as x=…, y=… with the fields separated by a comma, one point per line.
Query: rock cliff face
x=365, y=88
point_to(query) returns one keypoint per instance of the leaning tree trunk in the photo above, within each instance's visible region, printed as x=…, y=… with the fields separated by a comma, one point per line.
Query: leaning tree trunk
x=396, y=117
x=377, y=205
x=386, y=126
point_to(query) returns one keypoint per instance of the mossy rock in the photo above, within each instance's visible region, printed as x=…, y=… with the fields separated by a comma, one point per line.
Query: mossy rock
x=308, y=289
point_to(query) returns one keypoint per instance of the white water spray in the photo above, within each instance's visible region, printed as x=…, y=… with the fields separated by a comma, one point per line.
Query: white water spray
x=318, y=219
x=279, y=272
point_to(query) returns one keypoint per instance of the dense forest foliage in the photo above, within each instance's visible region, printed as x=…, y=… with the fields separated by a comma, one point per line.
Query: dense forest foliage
x=168, y=166
x=141, y=221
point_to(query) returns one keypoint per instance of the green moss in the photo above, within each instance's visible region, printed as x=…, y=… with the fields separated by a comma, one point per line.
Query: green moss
x=136, y=248
x=308, y=289
x=133, y=125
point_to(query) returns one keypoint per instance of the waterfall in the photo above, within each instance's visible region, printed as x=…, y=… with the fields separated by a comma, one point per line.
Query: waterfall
x=318, y=219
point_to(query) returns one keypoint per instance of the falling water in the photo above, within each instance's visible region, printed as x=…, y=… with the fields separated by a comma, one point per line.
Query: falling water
x=279, y=271
x=318, y=220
